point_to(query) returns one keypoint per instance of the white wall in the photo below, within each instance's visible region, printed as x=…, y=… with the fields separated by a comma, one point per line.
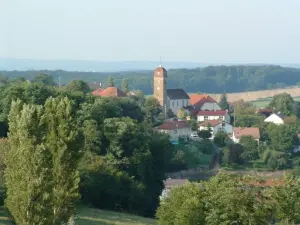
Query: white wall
x=224, y=118
x=176, y=104
x=227, y=128
x=274, y=119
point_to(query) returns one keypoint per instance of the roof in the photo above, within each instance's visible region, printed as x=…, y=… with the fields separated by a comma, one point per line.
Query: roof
x=160, y=72
x=246, y=131
x=111, y=92
x=213, y=113
x=212, y=123
x=265, y=110
x=172, y=125
x=97, y=91
x=174, y=182
x=177, y=94
x=280, y=115
x=198, y=100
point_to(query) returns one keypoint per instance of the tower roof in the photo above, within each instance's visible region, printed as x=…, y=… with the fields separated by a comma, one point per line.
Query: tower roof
x=160, y=71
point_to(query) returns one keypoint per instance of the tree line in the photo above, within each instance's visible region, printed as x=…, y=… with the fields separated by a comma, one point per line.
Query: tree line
x=212, y=79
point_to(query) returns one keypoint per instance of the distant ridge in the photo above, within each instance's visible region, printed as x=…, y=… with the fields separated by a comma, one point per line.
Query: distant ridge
x=89, y=65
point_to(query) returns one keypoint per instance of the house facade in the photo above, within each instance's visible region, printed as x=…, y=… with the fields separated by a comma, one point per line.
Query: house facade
x=239, y=132
x=221, y=115
x=175, y=129
x=177, y=99
x=216, y=126
x=275, y=118
x=203, y=102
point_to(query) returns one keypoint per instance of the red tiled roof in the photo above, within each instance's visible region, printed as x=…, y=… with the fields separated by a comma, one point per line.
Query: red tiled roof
x=198, y=100
x=97, y=91
x=246, y=131
x=211, y=122
x=111, y=92
x=212, y=113
x=172, y=125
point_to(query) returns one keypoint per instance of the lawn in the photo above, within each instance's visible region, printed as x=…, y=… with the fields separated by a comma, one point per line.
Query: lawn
x=262, y=103
x=90, y=216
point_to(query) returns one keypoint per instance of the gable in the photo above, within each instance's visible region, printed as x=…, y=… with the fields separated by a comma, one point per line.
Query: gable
x=273, y=118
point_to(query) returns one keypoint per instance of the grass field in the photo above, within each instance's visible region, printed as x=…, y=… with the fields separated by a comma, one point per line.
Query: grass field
x=262, y=103
x=90, y=216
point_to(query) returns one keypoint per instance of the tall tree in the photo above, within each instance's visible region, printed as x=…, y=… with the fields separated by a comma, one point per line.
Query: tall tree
x=181, y=114
x=284, y=104
x=44, y=79
x=27, y=174
x=110, y=82
x=223, y=103
x=65, y=145
x=78, y=86
x=125, y=86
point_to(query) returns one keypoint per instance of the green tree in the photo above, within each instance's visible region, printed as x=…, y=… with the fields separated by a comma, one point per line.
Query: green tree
x=110, y=82
x=44, y=79
x=27, y=175
x=204, y=134
x=283, y=103
x=78, y=86
x=250, y=148
x=283, y=137
x=193, y=124
x=223, y=103
x=249, y=121
x=124, y=86
x=181, y=114
x=232, y=155
x=221, y=138
x=152, y=111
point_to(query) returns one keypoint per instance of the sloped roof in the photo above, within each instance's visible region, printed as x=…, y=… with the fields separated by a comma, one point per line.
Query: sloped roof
x=212, y=123
x=97, y=91
x=172, y=125
x=198, y=100
x=177, y=94
x=212, y=113
x=246, y=131
x=111, y=92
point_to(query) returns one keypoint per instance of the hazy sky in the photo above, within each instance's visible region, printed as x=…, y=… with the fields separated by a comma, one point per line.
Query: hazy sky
x=205, y=31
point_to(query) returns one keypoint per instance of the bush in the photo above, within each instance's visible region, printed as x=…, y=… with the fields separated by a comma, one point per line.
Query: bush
x=221, y=138
x=204, y=134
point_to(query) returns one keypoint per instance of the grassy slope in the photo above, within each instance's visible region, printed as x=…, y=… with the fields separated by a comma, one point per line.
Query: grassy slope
x=264, y=102
x=90, y=216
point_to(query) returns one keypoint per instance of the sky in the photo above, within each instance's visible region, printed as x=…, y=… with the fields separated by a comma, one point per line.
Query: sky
x=204, y=31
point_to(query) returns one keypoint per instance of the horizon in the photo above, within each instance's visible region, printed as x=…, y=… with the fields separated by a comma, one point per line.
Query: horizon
x=214, y=32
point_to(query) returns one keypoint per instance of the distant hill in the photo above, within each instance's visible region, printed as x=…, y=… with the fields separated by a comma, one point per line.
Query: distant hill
x=211, y=79
x=89, y=66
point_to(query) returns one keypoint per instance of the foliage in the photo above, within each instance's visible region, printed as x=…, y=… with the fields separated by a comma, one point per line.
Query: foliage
x=125, y=86
x=221, y=138
x=204, y=134
x=78, y=86
x=152, y=110
x=283, y=137
x=248, y=120
x=211, y=79
x=250, y=148
x=283, y=103
x=181, y=114
x=44, y=79
x=193, y=124
x=223, y=103
x=233, y=155
x=110, y=82
x=41, y=176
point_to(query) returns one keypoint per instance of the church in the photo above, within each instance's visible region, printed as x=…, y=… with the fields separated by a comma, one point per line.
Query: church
x=169, y=99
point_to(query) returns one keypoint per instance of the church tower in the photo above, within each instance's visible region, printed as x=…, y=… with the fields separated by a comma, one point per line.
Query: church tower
x=160, y=85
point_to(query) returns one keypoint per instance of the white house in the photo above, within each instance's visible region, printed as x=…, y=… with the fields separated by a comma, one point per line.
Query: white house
x=203, y=102
x=221, y=115
x=216, y=126
x=175, y=129
x=239, y=132
x=275, y=118
x=177, y=99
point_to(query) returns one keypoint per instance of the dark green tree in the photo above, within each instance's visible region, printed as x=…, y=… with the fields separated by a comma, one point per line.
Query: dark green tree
x=250, y=148
x=283, y=137
x=283, y=103
x=223, y=103
x=44, y=79
x=124, y=86
x=78, y=86
x=221, y=138
x=110, y=82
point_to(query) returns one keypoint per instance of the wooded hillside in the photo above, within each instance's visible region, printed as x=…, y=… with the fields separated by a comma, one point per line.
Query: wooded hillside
x=212, y=79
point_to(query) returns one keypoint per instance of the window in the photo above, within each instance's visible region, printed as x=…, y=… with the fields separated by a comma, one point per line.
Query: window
x=205, y=117
x=220, y=117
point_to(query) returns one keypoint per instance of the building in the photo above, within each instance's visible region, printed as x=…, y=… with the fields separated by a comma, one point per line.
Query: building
x=169, y=99
x=216, y=126
x=175, y=129
x=221, y=115
x=203, y=102
x=275, y=118
x=177, y=99
x=109, y=92
x=239, y=132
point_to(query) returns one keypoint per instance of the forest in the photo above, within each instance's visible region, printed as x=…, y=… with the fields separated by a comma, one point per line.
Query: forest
x=211, y=79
